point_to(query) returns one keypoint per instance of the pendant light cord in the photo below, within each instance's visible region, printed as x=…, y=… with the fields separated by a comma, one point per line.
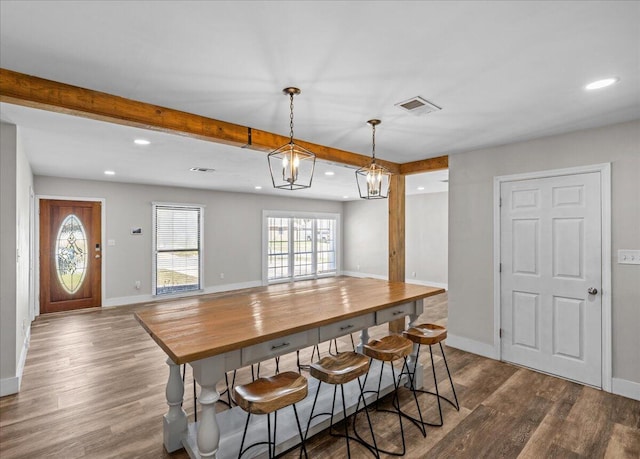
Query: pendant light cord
x=373, y=143
x=291, y=118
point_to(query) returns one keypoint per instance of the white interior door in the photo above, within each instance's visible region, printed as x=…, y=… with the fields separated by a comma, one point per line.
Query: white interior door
x=551, y=249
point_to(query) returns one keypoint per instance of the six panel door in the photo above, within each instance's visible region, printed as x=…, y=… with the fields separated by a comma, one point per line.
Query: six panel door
x=551, y=258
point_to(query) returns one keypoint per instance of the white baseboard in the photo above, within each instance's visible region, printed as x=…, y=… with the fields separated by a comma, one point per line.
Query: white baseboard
x=625, y=388
x=473, y=346
x=9, y=386
x=360, y=274
x=427, y=283
x=408, y=281
x=127, y=300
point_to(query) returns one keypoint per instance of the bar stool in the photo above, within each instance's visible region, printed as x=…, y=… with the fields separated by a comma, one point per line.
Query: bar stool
x=266, y=396
x=389, y=349
x=338, y=370
x=428, y=335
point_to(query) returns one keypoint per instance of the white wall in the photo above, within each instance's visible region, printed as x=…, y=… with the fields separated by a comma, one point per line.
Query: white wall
x=232, y=240
x=471, y=228
x=15, y=184
x=427, y=226
x=366, y=240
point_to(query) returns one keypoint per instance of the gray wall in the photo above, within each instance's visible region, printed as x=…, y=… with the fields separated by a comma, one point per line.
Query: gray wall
x=427, y=226
x=232, y=240
x=16, y=183
x=471, y=228
x=366, y=238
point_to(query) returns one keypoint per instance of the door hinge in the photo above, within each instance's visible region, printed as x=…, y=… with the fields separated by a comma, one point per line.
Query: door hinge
x=500, y=333
x=500, y=202
x=500, y=268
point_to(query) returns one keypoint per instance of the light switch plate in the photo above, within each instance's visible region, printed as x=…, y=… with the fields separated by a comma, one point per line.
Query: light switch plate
x=629, y=257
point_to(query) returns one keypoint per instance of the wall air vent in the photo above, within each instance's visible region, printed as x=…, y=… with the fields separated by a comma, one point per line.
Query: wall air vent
x=201, y=169
x=418, y=106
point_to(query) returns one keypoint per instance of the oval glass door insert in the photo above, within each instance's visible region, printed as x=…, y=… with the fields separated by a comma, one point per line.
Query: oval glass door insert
x=71, y=254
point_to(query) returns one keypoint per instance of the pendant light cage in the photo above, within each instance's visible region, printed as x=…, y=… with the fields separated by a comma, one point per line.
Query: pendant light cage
x=373, y=180
x=291, y=165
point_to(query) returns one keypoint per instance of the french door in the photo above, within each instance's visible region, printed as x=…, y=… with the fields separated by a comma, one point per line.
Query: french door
x=70, y=255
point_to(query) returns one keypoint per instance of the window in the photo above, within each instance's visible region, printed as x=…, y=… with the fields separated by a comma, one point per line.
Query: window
x=177, y=248
x=300, y=246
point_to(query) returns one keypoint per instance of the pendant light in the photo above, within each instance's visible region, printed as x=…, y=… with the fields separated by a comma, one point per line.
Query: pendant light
x=291, y=165
x=373, y=180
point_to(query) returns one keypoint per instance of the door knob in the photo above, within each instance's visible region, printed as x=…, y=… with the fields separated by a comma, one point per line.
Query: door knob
x=592, y=291
x=97, y=256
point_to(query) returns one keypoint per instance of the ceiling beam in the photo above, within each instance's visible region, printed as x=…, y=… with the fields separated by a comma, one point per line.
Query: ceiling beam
x=30, y=91
x=425, y=165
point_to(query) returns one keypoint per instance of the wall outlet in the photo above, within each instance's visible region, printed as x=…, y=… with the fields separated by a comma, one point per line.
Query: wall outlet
x=137, y=284
x=413, y=274
x=357, y=267
x=221, y=275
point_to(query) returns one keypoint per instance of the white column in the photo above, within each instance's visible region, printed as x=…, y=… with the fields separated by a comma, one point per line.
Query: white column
x=414, y=365
x=208, y=372
x=175, y=421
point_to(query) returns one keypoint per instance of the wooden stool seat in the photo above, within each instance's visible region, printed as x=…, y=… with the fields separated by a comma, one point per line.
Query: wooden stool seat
x=339, y=369
x=427, y=334
x=266, y=395
x=389, y=348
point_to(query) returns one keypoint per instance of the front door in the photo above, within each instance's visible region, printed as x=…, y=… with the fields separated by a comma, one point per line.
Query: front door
x=551, y=306
x=70, y=255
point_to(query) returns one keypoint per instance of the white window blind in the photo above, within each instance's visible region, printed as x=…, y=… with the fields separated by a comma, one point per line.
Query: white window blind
x=177, y=248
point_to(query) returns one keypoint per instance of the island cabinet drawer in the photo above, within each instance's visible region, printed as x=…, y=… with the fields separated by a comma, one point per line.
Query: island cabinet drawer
x=344, y=327
x=278, y=346
x=396, y=312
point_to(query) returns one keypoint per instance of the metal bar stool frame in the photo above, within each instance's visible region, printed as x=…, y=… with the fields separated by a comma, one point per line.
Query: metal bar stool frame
x=396, y=400
x=442, y=334
x=271, y=444
x=374, y=448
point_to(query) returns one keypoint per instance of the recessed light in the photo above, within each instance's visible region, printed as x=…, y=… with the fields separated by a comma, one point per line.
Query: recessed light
x=420, y=188
x=345, y=197
x=109, y=173
x=258, y=187
x=329, y=173
x=141, y=142
x=601, y=83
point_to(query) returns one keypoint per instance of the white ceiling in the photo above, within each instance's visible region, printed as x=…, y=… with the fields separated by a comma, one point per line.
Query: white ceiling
x=501, y=71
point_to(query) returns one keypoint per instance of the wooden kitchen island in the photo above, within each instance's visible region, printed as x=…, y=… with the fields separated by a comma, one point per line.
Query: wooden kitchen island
x=216, y=335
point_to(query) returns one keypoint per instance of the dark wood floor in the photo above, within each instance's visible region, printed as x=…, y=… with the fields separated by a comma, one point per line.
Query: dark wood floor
x=94, y=382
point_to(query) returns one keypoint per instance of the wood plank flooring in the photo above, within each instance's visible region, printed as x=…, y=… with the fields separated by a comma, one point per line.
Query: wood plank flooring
x=94, y=382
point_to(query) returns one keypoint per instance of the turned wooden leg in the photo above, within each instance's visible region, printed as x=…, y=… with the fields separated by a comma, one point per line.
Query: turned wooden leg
x=208, y=372
x=175, y=421
x=364, y=339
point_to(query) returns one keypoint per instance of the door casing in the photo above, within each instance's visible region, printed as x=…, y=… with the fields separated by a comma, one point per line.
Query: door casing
x=605, y=190
x=37, y=242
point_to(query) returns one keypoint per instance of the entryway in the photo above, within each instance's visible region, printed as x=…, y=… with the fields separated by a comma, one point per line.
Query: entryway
x=70, y=255
x=551, y=274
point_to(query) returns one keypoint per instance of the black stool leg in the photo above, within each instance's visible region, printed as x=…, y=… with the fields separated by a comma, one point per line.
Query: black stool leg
x=457, y=405
x=302, y=439
x=244, y=434
x=435, y=381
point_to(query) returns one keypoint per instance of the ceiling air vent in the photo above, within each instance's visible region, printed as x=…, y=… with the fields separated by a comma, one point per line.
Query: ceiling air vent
x=201, y=169
x=418, y=105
